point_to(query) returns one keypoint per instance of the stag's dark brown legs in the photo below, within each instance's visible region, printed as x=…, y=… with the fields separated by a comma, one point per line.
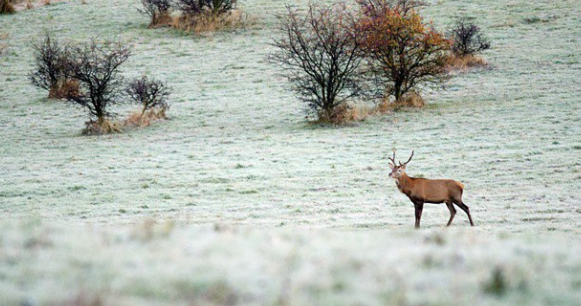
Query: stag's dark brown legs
x=467, y=211
x=452, y=212
x=419, y=208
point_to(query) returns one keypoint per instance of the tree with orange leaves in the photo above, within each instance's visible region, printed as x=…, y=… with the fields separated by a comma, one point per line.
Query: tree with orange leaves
x=402, y=50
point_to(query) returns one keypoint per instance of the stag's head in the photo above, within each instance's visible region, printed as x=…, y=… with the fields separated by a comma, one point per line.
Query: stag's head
x=398, y=170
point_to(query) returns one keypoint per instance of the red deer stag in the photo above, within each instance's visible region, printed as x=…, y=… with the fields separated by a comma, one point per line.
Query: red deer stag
x=421, y=190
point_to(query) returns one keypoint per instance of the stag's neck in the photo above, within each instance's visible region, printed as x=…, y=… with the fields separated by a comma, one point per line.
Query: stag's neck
x=404, y=183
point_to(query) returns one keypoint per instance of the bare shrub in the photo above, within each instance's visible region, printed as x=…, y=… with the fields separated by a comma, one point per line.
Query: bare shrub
x=6, y=7
x=402, y=51
x=96, y=66
x=320, y=58
x=375, y=8
x=467, y=39
x=152, y=95
x=468, y=42
x=157, y=10
x=52, y=72
x=214, y=7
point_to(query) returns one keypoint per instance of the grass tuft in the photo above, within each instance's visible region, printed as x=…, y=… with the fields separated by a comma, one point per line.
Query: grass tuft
x=465, y=63
x=102, y=127
x=162, y=19
x=209, y=22
x=143, y=119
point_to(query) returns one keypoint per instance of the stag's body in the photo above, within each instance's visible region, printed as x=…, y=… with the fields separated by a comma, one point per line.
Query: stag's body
x=421, y=190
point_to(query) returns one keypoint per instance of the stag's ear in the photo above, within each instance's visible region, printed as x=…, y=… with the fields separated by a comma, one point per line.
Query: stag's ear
x=403, y=166
x=391, y=166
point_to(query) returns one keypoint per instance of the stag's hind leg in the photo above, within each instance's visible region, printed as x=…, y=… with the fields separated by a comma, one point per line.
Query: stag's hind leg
x=452, y=212
x=465, y=208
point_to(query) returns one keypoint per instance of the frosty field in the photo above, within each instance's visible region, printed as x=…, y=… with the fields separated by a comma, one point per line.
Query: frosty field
x=237, y=201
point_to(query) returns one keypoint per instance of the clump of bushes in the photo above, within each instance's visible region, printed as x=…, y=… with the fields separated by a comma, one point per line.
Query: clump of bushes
x=87, y=75
x=333, y=55
x=468, y=43
x=152, y=95
x=194, y=15
x=6, y=7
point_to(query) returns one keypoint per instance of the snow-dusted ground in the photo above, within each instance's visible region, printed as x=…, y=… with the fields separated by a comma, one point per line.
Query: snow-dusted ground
x=253, y=206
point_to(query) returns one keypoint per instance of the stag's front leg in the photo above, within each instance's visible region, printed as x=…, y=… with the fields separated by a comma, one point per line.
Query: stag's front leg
x=419, y=208
x=452, y=212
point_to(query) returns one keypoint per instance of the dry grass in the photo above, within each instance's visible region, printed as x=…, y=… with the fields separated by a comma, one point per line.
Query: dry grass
x=208, y=22
x=347, y=113
x=160, y=20
x=3, y=47
x=409, y=100
x=20, y=5
x=145, y=118
x=102, y=127
x=464, y=63
x=6, y=7
x=64, y=88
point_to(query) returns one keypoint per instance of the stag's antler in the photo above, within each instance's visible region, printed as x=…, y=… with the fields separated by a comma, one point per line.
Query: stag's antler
x=392, y=158
x=408, y=159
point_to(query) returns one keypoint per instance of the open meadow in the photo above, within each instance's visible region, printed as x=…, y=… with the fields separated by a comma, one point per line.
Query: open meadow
x=237, y=200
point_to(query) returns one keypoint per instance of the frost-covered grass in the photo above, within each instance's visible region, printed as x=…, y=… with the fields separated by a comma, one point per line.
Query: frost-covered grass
x=309, y=213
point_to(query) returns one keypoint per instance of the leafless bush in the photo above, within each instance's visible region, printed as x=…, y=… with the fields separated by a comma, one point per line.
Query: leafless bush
x=375, y=8
x=214, y=7
x=52, y=71
x=320, y=57
x=467, y=39
x=96, y=66
x=150, y=93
